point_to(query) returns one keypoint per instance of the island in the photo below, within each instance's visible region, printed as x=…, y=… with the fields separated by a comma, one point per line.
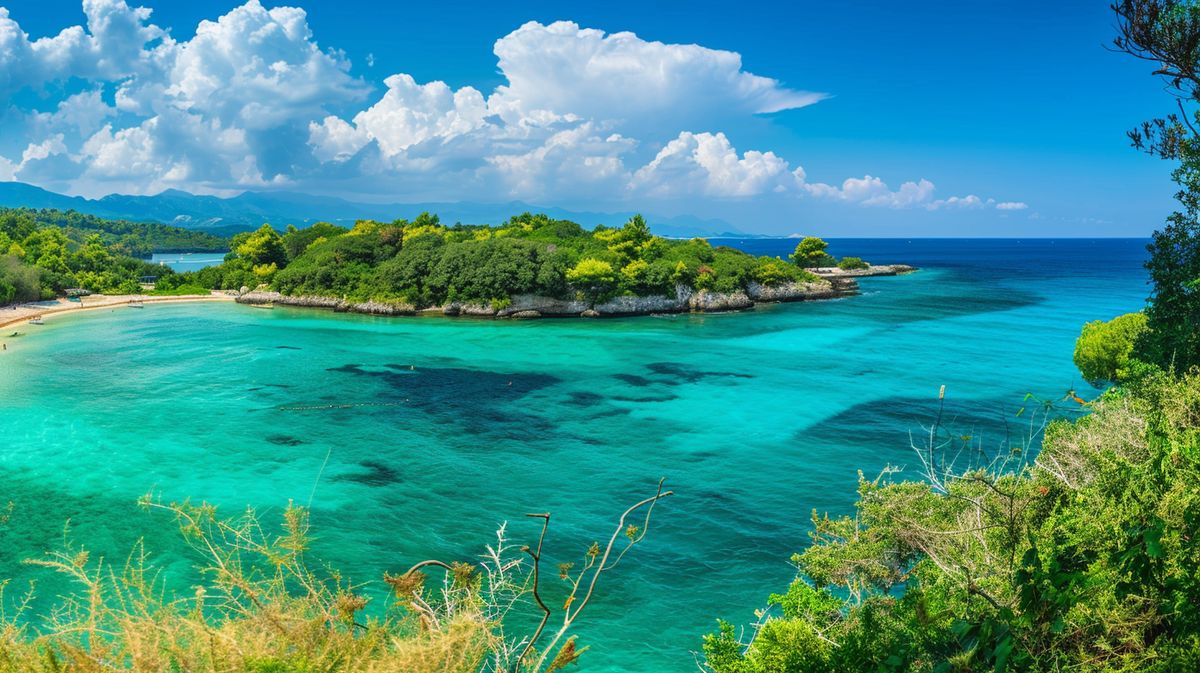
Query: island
x=529, y=266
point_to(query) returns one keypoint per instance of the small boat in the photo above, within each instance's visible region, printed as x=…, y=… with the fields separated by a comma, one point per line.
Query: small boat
x=136, y=304
x=36, y=320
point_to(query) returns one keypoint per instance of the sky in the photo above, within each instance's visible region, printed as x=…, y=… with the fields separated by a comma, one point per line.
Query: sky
x=838, y=119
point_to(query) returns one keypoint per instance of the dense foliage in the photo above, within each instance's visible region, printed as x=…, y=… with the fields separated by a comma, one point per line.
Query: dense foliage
x=1166, y=33
x=45, y=252
x=425, y=263
x=1084, y=560
x=122, y=237
x=1104, y=350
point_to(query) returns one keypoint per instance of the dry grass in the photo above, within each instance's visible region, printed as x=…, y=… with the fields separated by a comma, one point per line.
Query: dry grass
x=261, y=608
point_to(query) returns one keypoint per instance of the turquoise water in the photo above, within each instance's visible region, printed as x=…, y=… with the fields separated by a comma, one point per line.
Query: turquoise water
x=187, y=261
x=755, y=418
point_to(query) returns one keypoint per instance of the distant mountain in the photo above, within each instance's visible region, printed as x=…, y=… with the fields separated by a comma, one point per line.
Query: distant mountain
x=251, y=209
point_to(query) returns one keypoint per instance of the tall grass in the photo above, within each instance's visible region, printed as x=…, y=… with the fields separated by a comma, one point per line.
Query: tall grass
x=263, y=606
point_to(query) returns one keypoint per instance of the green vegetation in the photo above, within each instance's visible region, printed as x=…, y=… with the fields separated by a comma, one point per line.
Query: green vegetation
x=1083, y=560
x=39, y=259
x=425, y=263
x=1166, y=32
x=1104, y=351
x=121, y=237
x=852, y=263
x=810, y=253
x=259, y=605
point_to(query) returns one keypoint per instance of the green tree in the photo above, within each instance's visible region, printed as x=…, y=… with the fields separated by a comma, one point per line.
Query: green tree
x=810, y=253
x=851, y=263
x=1166, y=33
x=262, y=247
x=1104, y=349
x=594, y=278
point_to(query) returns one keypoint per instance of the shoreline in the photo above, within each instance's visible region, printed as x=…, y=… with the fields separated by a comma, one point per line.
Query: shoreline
x=837, y=284
x=834, y=284
x=22, y=313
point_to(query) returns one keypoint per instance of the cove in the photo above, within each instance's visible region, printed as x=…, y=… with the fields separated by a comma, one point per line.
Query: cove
x=437, y=429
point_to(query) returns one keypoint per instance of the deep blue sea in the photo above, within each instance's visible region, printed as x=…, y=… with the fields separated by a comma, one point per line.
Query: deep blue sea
x=756, y=419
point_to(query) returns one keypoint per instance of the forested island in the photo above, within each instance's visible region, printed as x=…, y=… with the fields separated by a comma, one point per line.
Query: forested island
x=529, y=266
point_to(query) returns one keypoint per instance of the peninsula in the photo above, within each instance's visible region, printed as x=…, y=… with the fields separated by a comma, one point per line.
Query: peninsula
x=528, y=267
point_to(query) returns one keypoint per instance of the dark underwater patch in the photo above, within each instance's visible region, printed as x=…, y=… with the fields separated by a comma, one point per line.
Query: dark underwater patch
x=375, y=474
x=285, y=440
x=584, y=399
x=289, y=348
x=676, y=372
x=634, y=380
x=890, y=426
x=647, y=399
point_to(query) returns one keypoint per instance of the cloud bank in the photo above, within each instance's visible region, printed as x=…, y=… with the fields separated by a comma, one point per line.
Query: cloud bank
x=253, y=101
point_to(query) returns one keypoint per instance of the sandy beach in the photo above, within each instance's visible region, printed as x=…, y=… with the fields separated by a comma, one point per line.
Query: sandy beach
x=19, y=315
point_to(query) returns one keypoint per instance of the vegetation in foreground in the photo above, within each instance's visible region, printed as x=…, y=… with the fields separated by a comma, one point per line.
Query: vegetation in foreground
x=262, y=607
x=1083, y=560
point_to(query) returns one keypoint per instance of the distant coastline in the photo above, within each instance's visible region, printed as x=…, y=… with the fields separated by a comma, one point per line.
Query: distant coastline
x=834, y=283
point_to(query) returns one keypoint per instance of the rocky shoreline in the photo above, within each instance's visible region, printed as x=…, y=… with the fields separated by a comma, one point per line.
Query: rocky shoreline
x=834, y=283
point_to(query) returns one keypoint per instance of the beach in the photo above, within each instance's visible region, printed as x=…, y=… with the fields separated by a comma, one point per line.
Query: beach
x=21, y=314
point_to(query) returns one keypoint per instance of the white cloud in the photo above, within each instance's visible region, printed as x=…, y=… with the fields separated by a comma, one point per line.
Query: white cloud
x=408, y=114
x=561, y=71
x=579, y=160
x=1011, y=205
x=872, y=191
x=253, y=101
x=706, y=163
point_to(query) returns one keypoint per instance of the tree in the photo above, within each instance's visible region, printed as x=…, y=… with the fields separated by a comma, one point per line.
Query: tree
x=262, y=247
x=1166, y=33
x=810, y=253
x=1104, y=349
x=594, y=278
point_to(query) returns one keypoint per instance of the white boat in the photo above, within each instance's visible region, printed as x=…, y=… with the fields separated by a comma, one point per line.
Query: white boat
x=136, y=304
x=36, y=320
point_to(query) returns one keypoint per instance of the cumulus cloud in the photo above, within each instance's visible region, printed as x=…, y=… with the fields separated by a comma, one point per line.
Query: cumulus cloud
x=562, y=71
x=872, y=191
x=254, y=101
x=408, y=114
x=706, y=163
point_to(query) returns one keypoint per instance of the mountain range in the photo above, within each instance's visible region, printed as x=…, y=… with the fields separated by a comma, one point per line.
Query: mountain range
x=249, y=210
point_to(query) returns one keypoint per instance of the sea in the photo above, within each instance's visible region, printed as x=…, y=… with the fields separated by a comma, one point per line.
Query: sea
x=415, y=438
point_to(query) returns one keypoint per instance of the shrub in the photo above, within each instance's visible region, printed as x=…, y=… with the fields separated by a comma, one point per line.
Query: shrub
x=851, y=263
x=810, y=253
x=1081, y=560
x=1104, y=349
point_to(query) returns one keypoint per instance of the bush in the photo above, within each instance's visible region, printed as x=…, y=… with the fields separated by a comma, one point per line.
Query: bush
x=1082, y=560
x=260, y=606
x=1104, y=349
x=852, y=263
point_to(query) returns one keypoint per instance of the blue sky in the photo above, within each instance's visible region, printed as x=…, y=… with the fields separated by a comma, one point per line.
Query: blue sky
x=864, y=118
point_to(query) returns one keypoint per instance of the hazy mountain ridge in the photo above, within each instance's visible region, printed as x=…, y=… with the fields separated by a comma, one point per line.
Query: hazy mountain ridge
x=251, y=209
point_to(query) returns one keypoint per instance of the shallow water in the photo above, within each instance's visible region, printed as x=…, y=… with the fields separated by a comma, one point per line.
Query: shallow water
x=755, y=419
